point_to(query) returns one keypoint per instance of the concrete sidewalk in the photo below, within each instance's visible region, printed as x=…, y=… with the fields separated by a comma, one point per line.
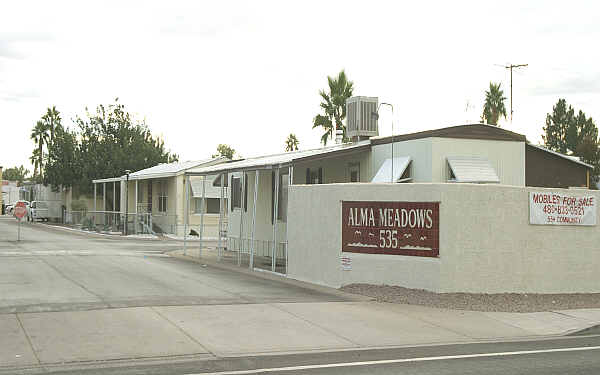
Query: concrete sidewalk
x=52, y=338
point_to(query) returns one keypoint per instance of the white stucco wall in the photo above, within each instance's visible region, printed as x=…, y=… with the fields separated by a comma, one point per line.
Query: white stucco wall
x=486, y=242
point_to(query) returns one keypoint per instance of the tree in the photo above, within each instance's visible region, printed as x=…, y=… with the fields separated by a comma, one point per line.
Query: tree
x=557, y=127
x=494, y=105
x=18, y=174
x=224, y=150
x=62, y=168
x=572, y=134
x=39, y=135
x=333, y=104
x=52, y=120
x=111, y=141
x=291, y=143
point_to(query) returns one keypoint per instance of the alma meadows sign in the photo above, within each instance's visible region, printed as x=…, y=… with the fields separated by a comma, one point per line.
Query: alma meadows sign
x=397, y=228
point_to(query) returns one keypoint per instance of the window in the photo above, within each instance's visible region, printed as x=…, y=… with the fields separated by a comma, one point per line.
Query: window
x=354, y=172
x=451, y=176
x=314, y=176
x=140, y=192
x=163, y=194
x=471, y=169
x=397, y=169
x=282, y=198
x=212, y=205
x=236, y=193
x=407, y=174
x=149, y=195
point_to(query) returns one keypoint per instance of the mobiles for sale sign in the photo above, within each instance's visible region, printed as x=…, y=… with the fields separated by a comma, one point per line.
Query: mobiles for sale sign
x=552, y=208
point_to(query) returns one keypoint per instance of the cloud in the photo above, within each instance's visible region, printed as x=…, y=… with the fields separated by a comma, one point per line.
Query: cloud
x=11, y=41
x=18, y=95
x=575, y=84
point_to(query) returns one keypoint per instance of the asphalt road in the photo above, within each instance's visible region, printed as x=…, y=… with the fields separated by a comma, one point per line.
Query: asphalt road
x=60, y=270
x=573, y=355
x=54, y=276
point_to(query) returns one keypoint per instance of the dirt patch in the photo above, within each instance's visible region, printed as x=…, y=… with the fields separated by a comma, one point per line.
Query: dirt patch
x=505, y=302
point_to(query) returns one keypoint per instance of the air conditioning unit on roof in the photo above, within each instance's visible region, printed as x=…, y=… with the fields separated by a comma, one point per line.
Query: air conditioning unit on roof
x=361, y=123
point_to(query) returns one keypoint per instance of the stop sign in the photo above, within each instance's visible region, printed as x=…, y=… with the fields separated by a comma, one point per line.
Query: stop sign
x=20, y=210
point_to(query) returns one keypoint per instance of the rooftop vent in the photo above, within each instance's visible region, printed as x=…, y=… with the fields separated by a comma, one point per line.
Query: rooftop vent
x=361, y=123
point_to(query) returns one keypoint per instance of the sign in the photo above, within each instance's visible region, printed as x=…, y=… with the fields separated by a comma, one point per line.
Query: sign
x=20, y=210
x=551, y=208
x=346, y=262
x=397, y=228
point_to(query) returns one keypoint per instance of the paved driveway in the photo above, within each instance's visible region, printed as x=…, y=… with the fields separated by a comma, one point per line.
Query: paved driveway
x=60, y=270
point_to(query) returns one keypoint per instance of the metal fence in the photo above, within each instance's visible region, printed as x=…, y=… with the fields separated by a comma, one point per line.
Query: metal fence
x=164, y=224
x=110, y=221
x=263, y=253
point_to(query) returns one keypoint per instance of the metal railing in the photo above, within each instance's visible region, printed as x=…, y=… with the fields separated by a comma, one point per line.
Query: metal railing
x=110, y=221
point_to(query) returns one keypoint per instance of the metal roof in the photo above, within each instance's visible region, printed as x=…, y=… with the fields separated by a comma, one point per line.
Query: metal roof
x=163, y=170
x=471, y=131
x=472, y=169
x=570, y=158
x=384, y=173
x=280, y=160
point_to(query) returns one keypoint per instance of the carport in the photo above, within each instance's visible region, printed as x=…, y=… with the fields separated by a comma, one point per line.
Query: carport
x=256, y=231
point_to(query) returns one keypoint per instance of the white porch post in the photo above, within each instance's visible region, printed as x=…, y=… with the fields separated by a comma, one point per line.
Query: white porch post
x=114, y=205
x=256, y=176
x=136, y=208
x=287, y=212
x=202, y=209
x=275, y=209
x=95, y=213
x=186, y=209
x=243, y=184
x=104, y=202
x=221, y=208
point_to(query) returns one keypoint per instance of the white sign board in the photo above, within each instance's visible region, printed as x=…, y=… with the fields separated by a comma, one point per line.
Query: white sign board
x=559, y=208
x=346, y=262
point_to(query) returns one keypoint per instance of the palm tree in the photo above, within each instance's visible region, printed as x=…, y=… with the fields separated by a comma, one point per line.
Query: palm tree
x=291, y=143
x=494, y=105
x=333, y=104
x=39, y=135
x=52, y=120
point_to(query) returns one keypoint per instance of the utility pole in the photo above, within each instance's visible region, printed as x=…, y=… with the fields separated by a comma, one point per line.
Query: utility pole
x=511, y=66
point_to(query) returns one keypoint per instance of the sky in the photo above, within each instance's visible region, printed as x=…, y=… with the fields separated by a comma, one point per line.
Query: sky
x=248, y=73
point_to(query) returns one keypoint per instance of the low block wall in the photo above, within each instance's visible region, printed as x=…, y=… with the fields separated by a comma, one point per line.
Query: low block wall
x=486, y=243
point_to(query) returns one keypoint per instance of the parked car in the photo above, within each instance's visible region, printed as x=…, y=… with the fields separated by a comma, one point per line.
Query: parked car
x=8, y=209
x=38, y=210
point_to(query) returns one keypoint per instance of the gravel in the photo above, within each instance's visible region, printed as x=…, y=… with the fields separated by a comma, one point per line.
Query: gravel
x=505, y=302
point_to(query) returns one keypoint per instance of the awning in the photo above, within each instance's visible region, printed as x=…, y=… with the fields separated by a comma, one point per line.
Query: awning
x=217, y=180
x=472, y=169
x=210, y=191
x=384, y=173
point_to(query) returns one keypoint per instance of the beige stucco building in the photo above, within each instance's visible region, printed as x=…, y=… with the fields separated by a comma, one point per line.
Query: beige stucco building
x=156, y=198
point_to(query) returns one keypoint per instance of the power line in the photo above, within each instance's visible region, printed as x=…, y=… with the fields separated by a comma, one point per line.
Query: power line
x=511, y=66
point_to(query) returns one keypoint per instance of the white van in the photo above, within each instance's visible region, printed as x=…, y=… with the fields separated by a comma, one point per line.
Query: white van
x=38, y=210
